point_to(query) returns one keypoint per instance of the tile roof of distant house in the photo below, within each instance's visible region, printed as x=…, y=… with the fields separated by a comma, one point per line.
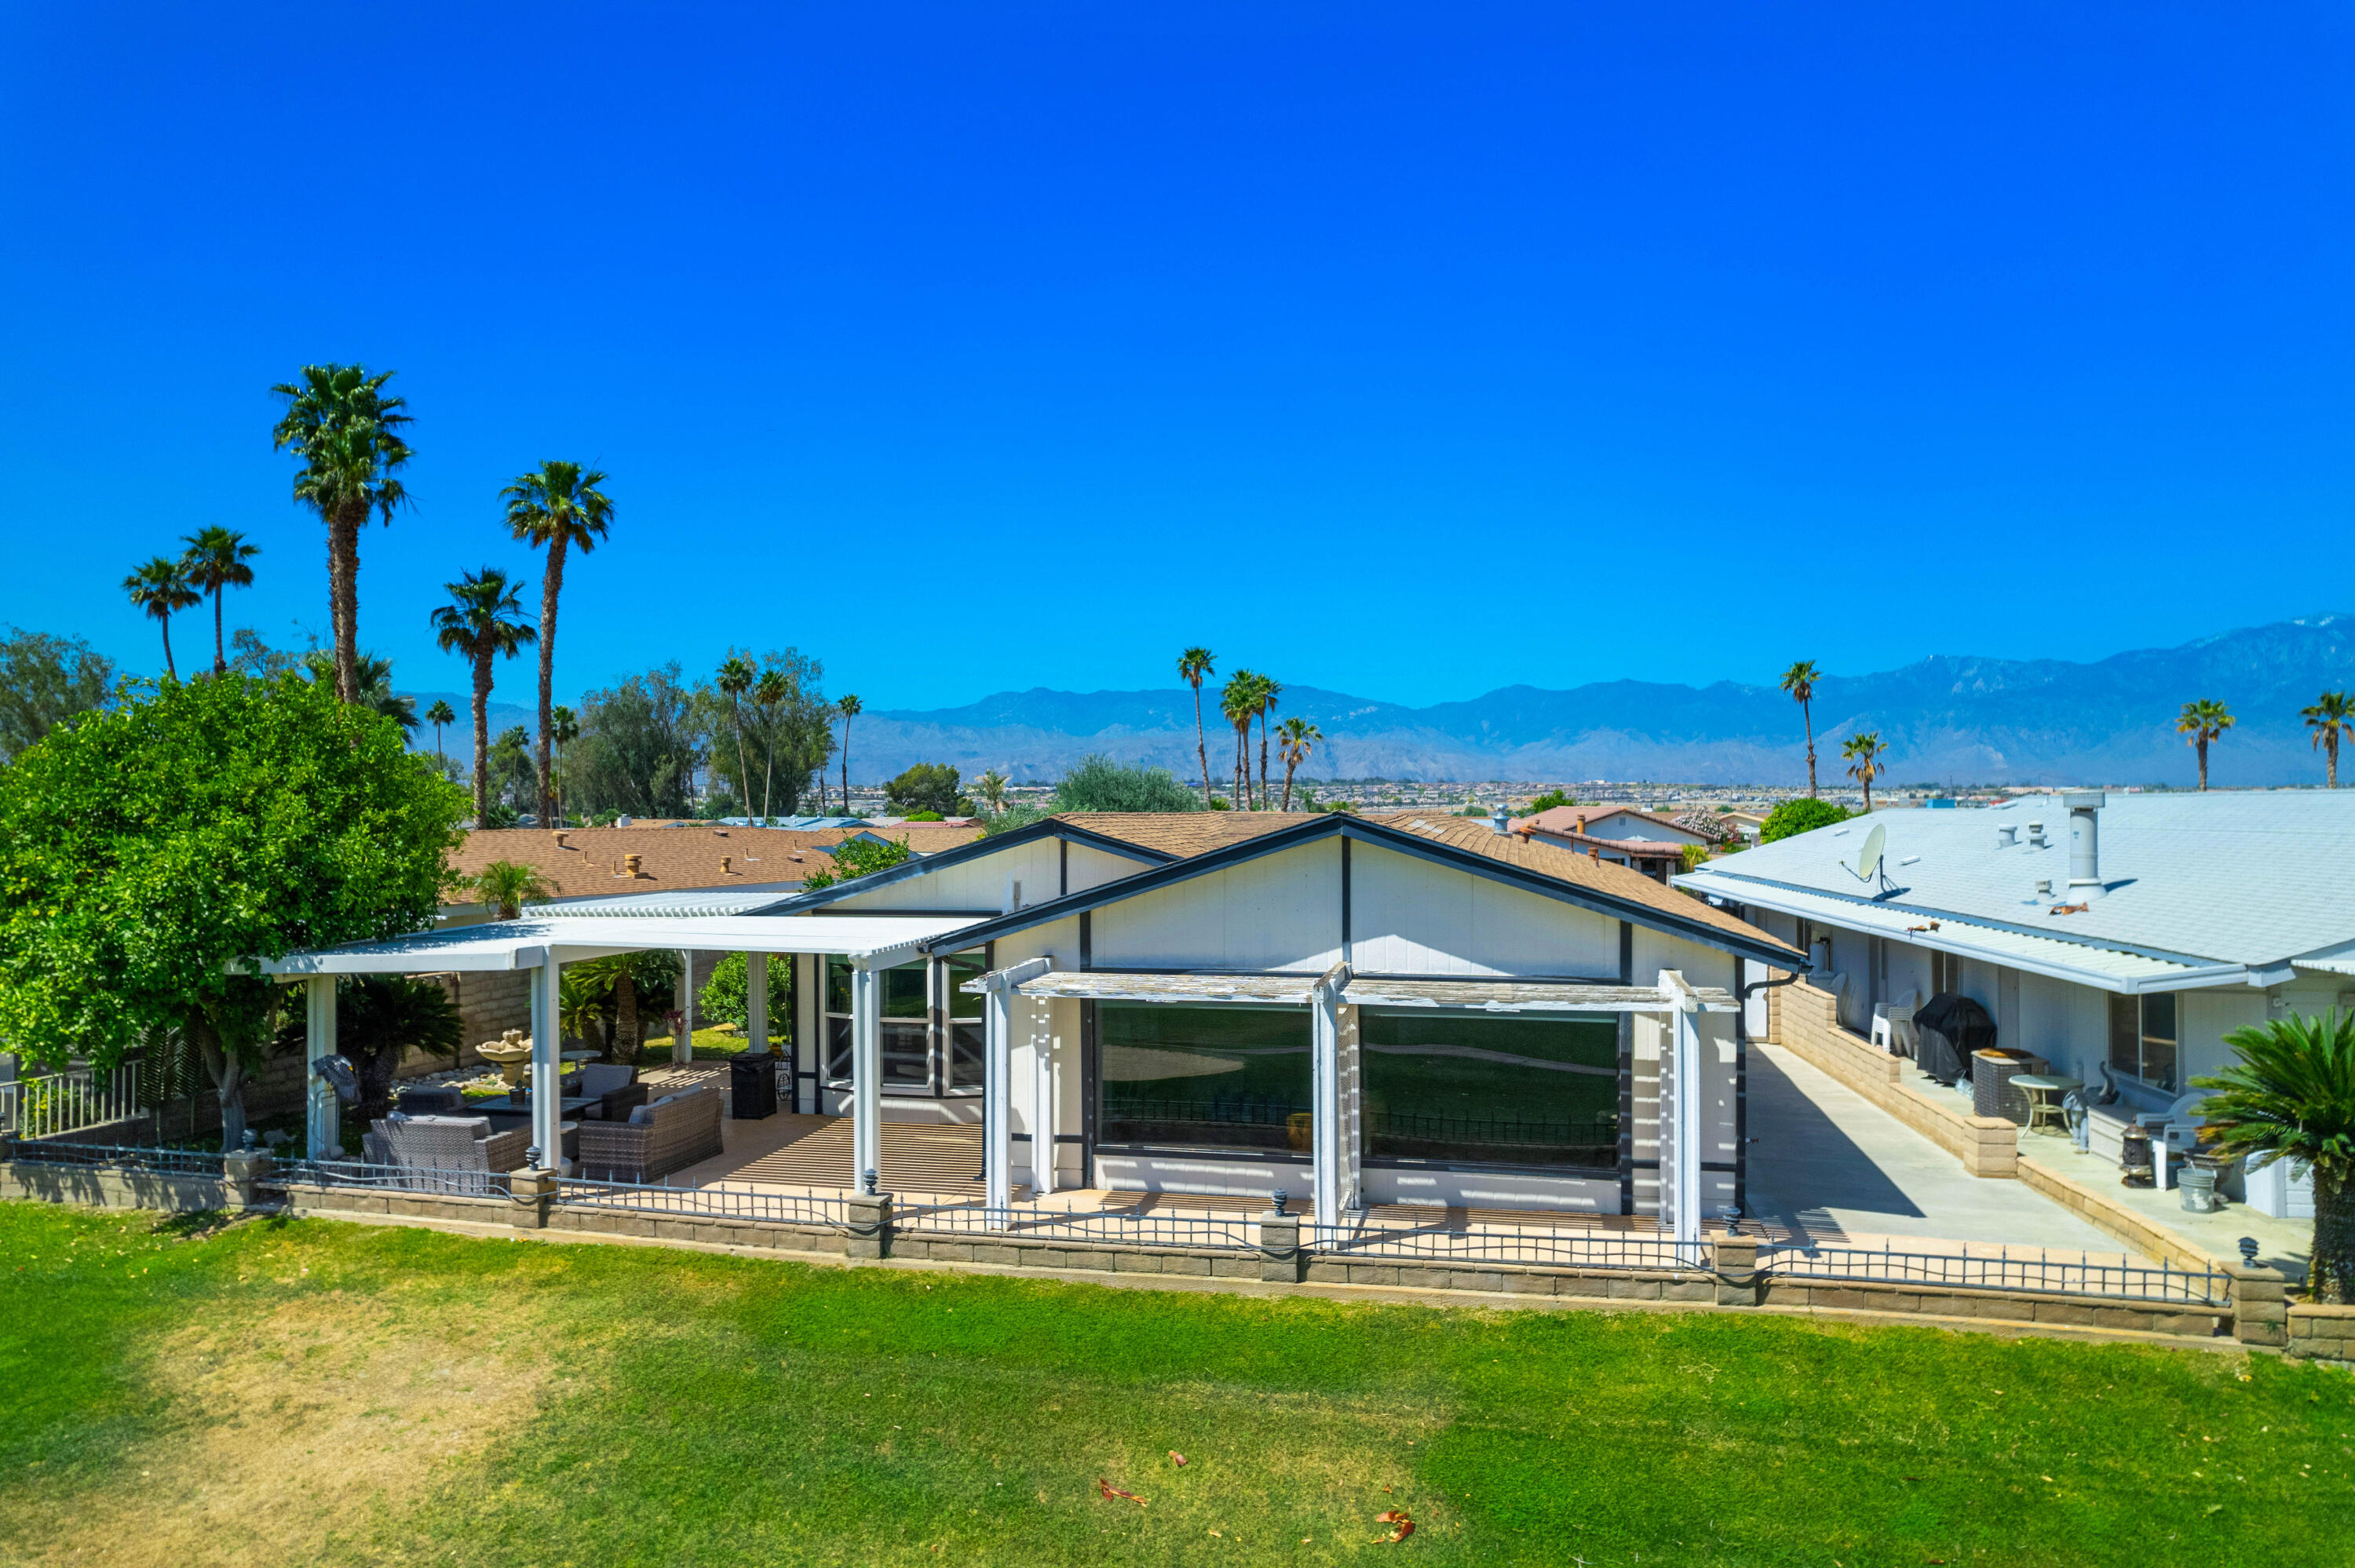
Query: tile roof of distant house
x=579, y=862
x=1567, y=820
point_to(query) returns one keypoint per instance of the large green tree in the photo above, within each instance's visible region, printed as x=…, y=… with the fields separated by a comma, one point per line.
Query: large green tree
x=1097, y=783
x=559, y=507
x=348, y=433
x=44, y=681
x=928, y=787
x=640, y=743
x=782, y=735
x=150, y=851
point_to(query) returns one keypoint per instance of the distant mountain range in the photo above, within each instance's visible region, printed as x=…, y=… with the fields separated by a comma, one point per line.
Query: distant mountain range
x=1945, y=718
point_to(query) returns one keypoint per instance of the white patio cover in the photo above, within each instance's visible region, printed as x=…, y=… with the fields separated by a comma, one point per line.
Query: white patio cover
x=524, y=944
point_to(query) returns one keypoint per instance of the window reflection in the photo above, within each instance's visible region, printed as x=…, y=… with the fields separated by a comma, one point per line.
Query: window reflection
x=1204, y=1078
x=1500, y=1091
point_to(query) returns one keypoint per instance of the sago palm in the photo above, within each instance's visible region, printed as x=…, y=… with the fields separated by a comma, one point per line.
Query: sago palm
x=2330, y=719
x=1800, y=680
x=215, y=559
x=559, y=507
x=2289, y=1094
x=1296, y=738
x=1193, y=666
x=348, y=433
x=1864, y=752
x=483, y=621
x=2201, y=723
x=161, y=588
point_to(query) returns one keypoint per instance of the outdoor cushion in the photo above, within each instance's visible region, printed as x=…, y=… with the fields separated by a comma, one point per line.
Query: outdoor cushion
x=644, y=1115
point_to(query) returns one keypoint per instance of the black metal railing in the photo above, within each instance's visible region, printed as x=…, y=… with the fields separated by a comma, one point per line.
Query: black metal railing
x=114, y=1156
x=1547, y=1246
x=2016, y=1273
x=1100, y=1227
x=718, y=1201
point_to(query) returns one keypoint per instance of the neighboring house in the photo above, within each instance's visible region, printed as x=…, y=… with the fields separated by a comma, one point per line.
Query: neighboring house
x=1618, y=835
x=2119, y=937
x=1394, y=1008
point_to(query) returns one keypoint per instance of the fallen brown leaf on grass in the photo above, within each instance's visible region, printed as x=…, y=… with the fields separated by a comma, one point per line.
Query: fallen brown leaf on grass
x=1110, y=1492
x=1176, y=1459
x=1401, y=1525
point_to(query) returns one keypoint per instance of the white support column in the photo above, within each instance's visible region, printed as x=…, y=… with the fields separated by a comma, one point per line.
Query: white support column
x=1352, y=1083
x=756, y=1003
x=546, y=1065
x=322, y=1112
x=998, y=997
x=1042, y=1103
x=682, y=1047
x=1683, y=1113
x=865, y=1077
x=1327, y=1159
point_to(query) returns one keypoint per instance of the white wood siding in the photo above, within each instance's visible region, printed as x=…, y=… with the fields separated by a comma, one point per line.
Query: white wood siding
x=1410, y=916
x=1281, y=912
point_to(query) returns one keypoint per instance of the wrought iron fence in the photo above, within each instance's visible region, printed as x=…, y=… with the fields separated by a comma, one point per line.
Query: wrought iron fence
x=719, y=1201
x=1104, y=1227
x=2022, y=1273
x=1553, y=1246
x=115, y=1156
x=459, y=1182
x=65, y=1102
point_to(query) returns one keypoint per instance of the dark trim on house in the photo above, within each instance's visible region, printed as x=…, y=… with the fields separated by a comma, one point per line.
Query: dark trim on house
x=1087, y=940
x=1349, y=953
x=1349, y=828
x=979, y=847
x=1091, y=1089
x=1191, y=1151
x=1741, y=1090
x=1062, y=867
x=1626, y=1075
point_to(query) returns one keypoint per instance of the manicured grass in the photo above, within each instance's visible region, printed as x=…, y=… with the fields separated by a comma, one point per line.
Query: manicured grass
x=276, y=1391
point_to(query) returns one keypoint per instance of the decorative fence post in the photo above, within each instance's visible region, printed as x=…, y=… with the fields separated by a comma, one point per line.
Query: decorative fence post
x=534, y=1192
x=1736, y=1262
x=1279, y=1244
x=871, y=1224
x=2259, y=1304
x=244, y=1170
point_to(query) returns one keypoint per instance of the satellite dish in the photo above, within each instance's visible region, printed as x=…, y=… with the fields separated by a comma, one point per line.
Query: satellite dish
x=1869, y=865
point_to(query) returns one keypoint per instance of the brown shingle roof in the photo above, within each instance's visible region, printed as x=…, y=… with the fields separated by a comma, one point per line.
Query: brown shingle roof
x=591, y=861
x=1183, y=833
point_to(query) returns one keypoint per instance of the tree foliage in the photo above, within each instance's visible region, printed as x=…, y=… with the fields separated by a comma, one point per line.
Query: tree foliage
x=380, y=1019
x=1100, y=784
x=857, y=857
x=726, y=997
x=771, y=730
x=1799, y=816
x=639, y=747
x=149, y=850
x=2289, y=1094
x=45, y=680
x=928, y=787
x=1550, y=800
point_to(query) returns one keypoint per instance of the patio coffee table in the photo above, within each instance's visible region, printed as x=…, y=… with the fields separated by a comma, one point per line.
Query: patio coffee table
x=2045, y=1092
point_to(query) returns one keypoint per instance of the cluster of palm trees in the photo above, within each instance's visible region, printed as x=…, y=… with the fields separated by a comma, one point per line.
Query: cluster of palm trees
x=213, y=559
x=740, y=680
x=1247, y=698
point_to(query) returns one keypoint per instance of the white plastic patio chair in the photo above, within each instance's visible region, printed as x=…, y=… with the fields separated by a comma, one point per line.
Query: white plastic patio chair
x=1892, y=1024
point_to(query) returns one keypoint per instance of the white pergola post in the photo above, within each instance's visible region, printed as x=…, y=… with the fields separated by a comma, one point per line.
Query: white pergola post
x=682, y=1047
x=1042, y=1101
x=756, y=1001
x=1680, y=1108
x=1327, y=1157
x=997, y=1085
x=323, y=1115
x=547, y=1064
x=866, y=1076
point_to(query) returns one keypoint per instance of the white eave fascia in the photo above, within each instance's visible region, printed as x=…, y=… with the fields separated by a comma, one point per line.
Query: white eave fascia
x=2193, y=973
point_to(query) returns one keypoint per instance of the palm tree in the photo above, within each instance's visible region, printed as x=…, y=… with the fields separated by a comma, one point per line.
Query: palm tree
x=348, y=433
x=2204, y=721
x=483, y=621
x=1269, y=690
x=1800, y=680
x=437, y=715
x=566, y=730
x=991, y=788
x=1193, y=665
x=2290, y=1094
x=506, y=885
x=772, y=689
x=161, y=588
x=1864, y=752
x=559, y=505
x=735, y=680
x=2330, y=719
x=376, y=693
x=1298, y=737
x=1239, y=701
x=850, y=707
x=216, y=560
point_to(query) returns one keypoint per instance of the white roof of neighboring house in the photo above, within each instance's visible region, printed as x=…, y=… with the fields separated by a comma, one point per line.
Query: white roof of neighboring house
x=2247, y=879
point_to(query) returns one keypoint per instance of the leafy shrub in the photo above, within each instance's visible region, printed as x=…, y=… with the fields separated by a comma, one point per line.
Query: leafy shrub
x=1800, y=816
x=1549, y=800
x=1100, y=784
x=855, y=858
x=726, y=995
x=927, y=787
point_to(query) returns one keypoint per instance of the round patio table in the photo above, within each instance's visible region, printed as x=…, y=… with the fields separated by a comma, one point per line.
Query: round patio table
x=2045, y=1091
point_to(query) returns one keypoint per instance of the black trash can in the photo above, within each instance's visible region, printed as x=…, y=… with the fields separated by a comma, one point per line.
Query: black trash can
x=753, y=1085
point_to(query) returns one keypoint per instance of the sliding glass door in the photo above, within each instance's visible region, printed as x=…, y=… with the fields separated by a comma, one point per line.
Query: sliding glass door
x=931, y=1029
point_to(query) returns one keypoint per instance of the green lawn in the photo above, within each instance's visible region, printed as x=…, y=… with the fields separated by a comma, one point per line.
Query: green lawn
x=317, y=1392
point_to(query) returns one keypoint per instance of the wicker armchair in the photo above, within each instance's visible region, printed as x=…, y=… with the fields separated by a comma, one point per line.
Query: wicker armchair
x=430, y=1101
x=675, y=1132
x=450, y=1153
x=615, y=1090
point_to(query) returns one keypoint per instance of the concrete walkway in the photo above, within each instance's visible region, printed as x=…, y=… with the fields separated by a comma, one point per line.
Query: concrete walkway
x=1826, y=1163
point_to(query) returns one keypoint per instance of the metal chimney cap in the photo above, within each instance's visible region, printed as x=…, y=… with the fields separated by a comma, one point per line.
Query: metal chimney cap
x=1500, y=821
x=2085, y=799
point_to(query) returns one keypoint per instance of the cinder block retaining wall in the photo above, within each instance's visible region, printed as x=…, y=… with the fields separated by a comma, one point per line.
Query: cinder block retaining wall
x=1805, y=1023
x=2105, y=1215
x=115, y=1188
x=2323, y=1334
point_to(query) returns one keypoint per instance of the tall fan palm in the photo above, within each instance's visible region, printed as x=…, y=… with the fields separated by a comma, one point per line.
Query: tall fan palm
x=2289, y=1094
x=217, y=559
x=1800, y=680
x=1269, y=690
x=770, y=691
x=2330, y=719
x=2203, y=722
x=566, y=730
x=437, y=715
x=348, y=433
x=991, y=788
x=1193, y=665
x=1864, y=752
x=1296, y=738
x=556, y=505
x=735, y=680
x=483, y=621
x=161, y=588
x=851, y=708
x=1239, y=701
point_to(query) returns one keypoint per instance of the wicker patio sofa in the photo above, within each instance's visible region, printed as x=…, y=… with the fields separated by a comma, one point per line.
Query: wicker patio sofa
x=615, y=1090
x=673, y=1133
x=448, y=1153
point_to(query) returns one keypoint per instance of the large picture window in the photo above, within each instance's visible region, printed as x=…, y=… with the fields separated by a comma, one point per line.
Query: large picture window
x=1204, y=1078
x=1487, y=1090
x=911, y=1060
x=2143, y=1038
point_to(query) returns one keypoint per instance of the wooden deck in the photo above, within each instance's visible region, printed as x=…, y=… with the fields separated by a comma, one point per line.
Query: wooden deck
x=789, y=1150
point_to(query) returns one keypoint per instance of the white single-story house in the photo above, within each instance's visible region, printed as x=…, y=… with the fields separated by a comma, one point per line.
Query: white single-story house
x=1399, y=1008
x=2119, y=937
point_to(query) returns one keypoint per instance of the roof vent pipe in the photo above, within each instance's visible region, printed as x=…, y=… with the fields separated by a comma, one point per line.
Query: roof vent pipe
x=1500, y=821
x=2007, y=834
x=2084, y=843
x=2036, y=835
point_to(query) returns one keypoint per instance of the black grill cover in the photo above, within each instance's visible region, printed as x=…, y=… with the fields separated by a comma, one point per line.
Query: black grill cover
x=1946, y=1030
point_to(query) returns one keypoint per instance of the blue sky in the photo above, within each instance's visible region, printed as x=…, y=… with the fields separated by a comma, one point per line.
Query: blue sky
x=1405, y=352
